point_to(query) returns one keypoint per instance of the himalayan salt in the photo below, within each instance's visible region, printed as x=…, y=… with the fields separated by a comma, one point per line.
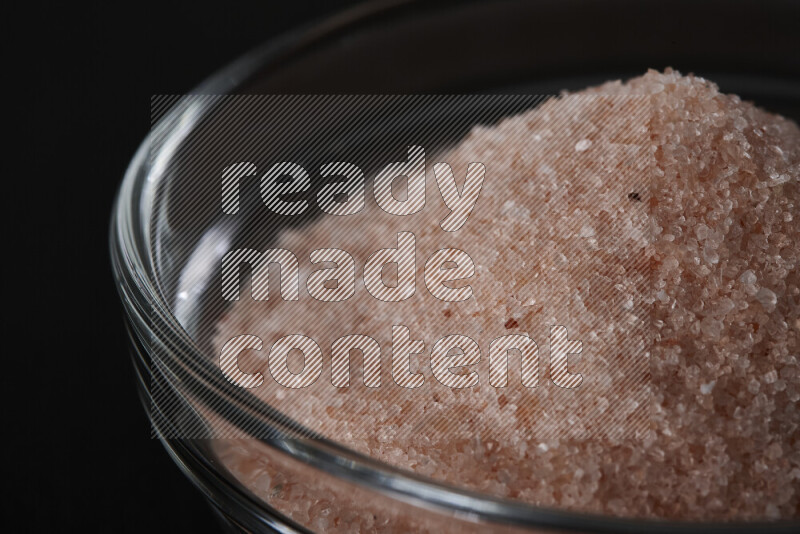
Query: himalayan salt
x=767, y=298
x=724, y=362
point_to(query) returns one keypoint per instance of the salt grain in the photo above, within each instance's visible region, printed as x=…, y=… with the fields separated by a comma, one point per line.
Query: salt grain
x=748, y=277
x=767, y=298
x=705, y=389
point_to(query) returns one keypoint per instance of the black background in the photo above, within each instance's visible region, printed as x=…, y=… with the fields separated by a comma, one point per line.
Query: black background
x=77, y=449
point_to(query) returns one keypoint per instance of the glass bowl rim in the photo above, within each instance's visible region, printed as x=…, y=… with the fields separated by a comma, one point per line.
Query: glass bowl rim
x=147, y=314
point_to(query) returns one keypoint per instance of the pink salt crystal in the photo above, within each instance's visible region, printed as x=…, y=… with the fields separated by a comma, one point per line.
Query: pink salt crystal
x=748, y=277
x=724, y=192
x=753, y=386
x=711, y=327
x=724, y=307
x=767, y=298
x=774, y=451
x=582, y=145
x=770, y=377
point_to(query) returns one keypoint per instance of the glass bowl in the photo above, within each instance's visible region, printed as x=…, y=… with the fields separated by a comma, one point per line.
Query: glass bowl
x=441, y=47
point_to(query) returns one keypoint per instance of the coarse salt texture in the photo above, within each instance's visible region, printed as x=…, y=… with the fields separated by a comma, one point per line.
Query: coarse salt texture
x=720, y=288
